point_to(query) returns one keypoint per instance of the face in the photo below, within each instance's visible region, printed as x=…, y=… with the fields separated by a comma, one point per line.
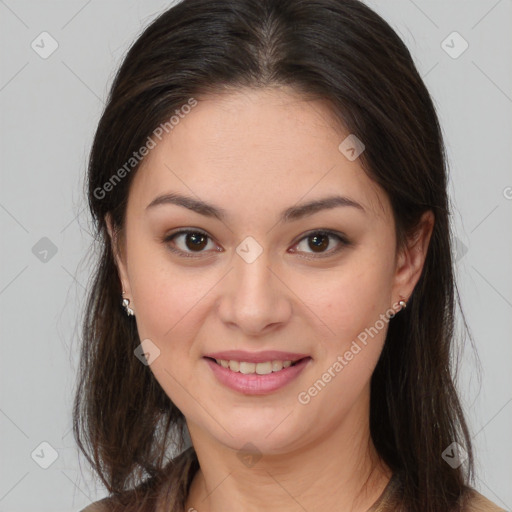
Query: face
x=244, y=265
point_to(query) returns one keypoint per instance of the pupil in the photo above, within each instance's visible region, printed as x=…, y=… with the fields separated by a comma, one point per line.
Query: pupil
x=197, y=239
x=319, y=242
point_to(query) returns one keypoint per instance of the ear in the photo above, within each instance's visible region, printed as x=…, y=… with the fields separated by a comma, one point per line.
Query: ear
x=118, y=250
x=411, y=258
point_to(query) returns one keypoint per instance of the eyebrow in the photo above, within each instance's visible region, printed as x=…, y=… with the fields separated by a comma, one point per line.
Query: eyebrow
x=290, y=214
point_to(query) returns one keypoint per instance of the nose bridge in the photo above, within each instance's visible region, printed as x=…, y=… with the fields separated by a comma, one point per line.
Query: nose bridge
x=255, y=298
x=253, y=280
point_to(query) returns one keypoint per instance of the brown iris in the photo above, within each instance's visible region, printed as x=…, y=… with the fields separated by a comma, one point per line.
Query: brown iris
x=318, y=242
x=195, y=241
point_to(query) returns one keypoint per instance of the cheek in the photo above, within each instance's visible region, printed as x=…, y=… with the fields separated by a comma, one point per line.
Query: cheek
x=350, y=302
x=165, y=298
x=351, y=306
x=349, y=299
x=170, y=305
x=168, y=309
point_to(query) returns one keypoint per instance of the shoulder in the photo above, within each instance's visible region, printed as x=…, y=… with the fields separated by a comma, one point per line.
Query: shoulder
x=154, y=488
x=476, y=502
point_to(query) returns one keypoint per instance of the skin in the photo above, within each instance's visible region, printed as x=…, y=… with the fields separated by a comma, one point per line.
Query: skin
x=255, y=153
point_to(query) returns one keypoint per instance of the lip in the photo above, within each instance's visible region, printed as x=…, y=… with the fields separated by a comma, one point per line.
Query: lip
x=254, y=384
x=256, y=357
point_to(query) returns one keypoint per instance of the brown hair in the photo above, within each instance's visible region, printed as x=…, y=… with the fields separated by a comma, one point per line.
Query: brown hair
x=336, y=50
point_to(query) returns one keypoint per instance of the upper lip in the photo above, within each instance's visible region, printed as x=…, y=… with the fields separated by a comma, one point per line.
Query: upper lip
x=256, y=357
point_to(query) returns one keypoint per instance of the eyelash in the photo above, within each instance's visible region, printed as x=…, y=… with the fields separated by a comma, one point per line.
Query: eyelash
x=344, y=242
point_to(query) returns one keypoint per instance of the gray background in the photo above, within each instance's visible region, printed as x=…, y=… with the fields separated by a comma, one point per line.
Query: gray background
x=50, y=108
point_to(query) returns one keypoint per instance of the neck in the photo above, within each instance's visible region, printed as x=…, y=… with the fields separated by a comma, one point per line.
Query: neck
x=340, y=470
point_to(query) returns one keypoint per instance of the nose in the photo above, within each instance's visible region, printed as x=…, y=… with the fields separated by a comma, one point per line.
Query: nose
x=254, y=299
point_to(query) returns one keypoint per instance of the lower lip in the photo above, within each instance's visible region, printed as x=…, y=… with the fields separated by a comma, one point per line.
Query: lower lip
x=254, y=384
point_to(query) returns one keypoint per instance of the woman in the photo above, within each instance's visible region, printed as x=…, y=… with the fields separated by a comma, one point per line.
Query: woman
x=269, y=186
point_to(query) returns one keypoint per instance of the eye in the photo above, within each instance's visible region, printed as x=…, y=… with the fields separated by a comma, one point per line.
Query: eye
x=189, y=242
x=320, y=241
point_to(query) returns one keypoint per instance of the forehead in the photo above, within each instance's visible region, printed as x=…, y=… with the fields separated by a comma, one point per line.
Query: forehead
x=255, y=148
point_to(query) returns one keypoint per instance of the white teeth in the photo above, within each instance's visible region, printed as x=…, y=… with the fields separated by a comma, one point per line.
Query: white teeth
x=250, y=368
x=276, y=366
x=247, y=367
x=264, y=368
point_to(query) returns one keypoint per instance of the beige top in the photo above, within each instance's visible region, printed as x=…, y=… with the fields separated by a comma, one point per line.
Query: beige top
x=388, y=501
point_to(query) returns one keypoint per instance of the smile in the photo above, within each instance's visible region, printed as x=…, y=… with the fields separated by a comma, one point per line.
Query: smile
x=260, y=378
x=248, y=368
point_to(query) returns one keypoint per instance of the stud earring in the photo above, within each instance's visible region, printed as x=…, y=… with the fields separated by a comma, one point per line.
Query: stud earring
x=402, y=304
x=126, y=306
